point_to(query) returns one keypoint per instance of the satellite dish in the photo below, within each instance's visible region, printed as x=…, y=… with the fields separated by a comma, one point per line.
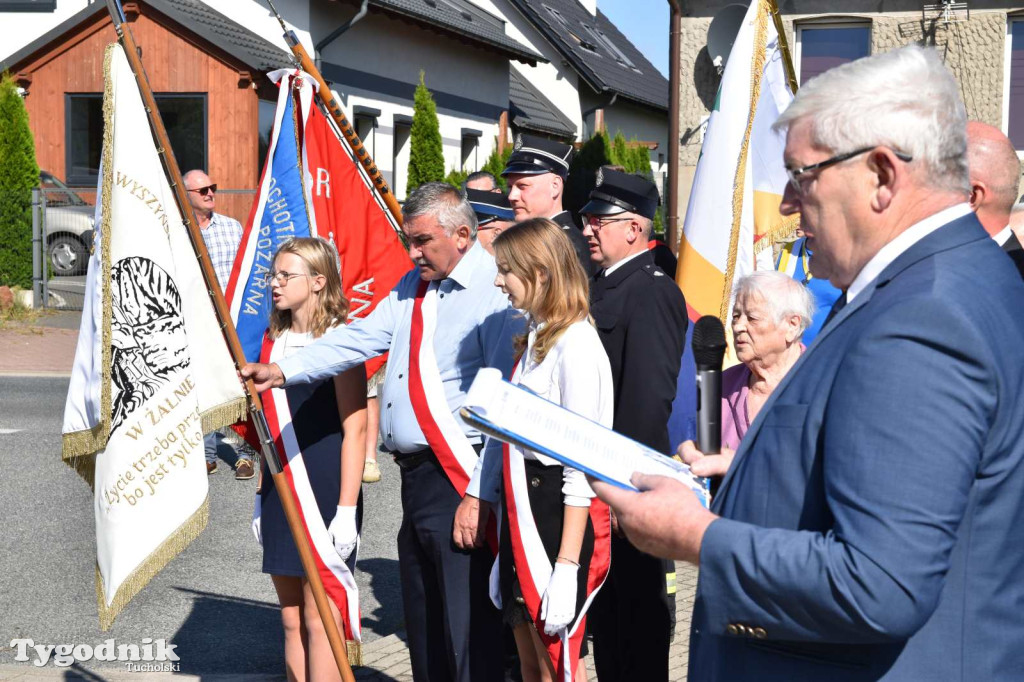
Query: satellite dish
x=722, y=33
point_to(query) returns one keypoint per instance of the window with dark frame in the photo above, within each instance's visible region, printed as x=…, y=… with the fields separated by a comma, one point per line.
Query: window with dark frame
x=183, y=114
x=1015, y=87
x=366, y=126
x=470, y=146
x=400, y=155
x=826, y=47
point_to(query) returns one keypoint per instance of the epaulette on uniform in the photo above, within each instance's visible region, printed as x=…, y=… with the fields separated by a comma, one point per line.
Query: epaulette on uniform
x=654, y=271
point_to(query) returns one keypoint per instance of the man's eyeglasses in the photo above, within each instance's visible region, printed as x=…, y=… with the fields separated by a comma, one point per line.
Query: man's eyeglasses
x=598, y=223
x=203, y=191
x=795, y=173
x=282, y=277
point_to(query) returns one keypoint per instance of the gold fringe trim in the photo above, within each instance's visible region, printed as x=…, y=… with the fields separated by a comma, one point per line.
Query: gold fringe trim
x=296, y=113
x=756, y=74
x=225, y=414
x=779, y=233
x=105, y=236
x=177, y=541
x=84, y=465
x=81, y=443
x=355, y=652
x=78, y=449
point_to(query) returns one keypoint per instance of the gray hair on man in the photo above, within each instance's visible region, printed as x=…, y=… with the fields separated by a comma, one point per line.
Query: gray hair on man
x=646, y=226
x=905, y=99
x=445, y=203
x=783, y=295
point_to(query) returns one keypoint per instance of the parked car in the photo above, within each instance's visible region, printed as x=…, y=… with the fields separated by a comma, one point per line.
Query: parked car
x=68, y=227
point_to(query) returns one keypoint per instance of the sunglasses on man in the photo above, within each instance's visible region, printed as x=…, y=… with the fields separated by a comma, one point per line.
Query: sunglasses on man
x=203, y=191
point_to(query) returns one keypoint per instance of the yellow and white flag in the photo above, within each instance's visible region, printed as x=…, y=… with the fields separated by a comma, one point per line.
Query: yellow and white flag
x=152, y=371
x=733, y=215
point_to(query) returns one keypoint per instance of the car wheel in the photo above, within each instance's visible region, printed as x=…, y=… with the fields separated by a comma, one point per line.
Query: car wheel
x=67, y=255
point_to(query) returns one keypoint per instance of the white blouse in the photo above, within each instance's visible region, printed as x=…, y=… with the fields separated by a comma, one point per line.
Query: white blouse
x=575, y=374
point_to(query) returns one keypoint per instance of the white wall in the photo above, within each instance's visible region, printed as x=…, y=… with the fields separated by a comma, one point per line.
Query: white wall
x=21, y=28
x=259, y=19
x=450, y=68
x=635, y=121
x=558, y=82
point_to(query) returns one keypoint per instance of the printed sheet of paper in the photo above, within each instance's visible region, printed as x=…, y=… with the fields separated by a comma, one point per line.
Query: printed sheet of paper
x=516, y=415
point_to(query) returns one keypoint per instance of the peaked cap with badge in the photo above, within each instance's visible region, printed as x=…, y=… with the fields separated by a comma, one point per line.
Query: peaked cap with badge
x=535, y=155
x=489, y=206
x=617, y=192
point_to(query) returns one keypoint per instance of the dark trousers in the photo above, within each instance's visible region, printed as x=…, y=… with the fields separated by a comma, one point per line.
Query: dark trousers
x=632, y=617
x=454, y=631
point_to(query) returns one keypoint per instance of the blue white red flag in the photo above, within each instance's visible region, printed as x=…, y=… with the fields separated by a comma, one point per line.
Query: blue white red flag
x=281, y=212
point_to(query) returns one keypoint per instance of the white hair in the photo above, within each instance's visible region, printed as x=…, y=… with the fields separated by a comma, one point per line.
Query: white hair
x=905, y=99
x=783, y=295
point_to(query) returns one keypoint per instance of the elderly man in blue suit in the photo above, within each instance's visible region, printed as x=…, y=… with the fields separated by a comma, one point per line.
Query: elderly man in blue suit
x=869, y=527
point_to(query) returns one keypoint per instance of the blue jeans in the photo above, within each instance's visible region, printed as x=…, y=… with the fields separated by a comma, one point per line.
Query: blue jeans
x=212, y=443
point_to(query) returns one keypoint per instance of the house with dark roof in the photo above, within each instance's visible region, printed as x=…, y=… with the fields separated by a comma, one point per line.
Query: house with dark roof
x=207, y=63
x=463, y=52
x=557, y=68
x=593, y=76
x=207, y=71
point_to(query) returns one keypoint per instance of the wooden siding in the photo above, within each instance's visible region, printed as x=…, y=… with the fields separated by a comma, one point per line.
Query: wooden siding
x=175, y=61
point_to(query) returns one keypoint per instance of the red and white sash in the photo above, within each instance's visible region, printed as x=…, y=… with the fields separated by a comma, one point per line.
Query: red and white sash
x=533, y=569
x=338, y=580
x=426, y=392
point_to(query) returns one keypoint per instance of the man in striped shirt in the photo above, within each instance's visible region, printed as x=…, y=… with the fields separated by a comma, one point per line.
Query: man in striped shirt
x=222, y=236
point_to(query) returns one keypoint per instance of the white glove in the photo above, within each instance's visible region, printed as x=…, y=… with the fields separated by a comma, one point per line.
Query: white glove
x=559, y=604
x=257, y=514
x=343, y=531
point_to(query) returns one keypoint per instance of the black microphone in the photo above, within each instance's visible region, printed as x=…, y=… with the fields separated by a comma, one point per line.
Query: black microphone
x=708, y=352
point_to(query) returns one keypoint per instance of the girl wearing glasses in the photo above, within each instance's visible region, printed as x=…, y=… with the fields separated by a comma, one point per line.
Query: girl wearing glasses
x=324, y=448
x=554, y=541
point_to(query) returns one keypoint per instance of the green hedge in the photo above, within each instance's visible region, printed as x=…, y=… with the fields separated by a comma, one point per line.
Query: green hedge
x=19, y=173
x=602, y=150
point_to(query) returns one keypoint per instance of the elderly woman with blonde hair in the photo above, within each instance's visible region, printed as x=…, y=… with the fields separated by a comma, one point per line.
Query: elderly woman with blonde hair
x=770, y=313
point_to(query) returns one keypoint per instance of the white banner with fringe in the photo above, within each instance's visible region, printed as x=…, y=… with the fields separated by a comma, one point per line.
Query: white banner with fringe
x=152, y=371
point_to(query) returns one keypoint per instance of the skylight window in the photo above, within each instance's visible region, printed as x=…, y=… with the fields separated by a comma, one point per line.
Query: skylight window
x=613, y=49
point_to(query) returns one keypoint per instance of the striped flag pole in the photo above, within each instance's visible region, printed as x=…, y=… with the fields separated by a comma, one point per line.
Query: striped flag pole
x=733, y=215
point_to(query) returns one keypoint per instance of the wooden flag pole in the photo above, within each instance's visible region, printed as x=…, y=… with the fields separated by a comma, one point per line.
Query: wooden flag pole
x=336, y=112
x=268, y=449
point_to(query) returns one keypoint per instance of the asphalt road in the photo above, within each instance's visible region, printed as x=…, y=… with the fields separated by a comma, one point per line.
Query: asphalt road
x=212, y=601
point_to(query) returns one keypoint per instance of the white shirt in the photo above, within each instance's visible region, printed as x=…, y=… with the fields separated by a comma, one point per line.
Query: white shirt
x=575, y=374
x=610, y=269
x=1002, y=236
x=894, y=249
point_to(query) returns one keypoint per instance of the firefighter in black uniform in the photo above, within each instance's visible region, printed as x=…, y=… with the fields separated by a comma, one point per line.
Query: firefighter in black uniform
x=641, y=318
x=536, y=174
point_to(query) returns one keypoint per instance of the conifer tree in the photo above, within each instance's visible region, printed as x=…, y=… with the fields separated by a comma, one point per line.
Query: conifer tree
x=19, y=173
x=594, y=153
x=496, y=163
x=426, y=155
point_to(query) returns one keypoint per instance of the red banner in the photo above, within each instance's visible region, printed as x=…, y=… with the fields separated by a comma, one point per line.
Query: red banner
x=373, y=258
